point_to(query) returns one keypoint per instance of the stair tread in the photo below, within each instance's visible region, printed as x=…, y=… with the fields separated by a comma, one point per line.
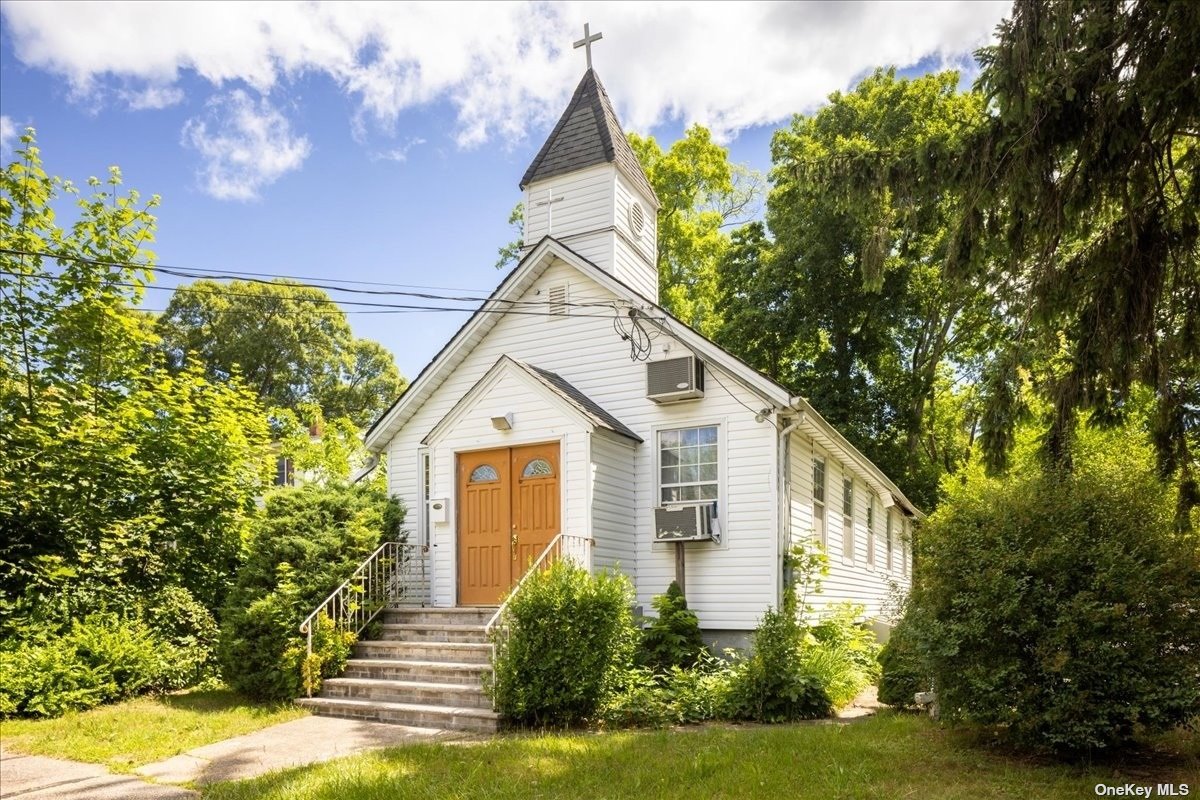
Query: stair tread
x=388, y=705
x=430, y=626
x=389, y=683
x=429, y=645
x=465, y=666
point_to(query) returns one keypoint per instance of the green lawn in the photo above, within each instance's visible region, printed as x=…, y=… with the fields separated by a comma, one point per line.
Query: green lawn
x=126, y=735
x=890, y=756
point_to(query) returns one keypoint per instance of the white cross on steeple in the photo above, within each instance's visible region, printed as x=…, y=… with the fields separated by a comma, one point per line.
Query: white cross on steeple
x=586, y=42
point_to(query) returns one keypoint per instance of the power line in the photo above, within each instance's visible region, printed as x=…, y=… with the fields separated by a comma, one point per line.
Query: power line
x=390, y=307
x=233, y=275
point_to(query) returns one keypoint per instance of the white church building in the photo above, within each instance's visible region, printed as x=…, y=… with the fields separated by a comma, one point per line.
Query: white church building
x=573, y=412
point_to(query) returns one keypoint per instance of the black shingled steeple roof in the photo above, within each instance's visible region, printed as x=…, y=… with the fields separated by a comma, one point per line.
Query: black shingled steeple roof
x=587, y=134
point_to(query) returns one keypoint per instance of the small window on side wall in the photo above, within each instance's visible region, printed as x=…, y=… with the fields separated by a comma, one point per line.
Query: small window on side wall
x=819, y=500
x=871, y=531
x=848, y=519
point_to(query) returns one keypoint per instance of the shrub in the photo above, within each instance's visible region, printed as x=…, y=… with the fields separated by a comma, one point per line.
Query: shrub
x=178, y=619
x=648, y=699
x=771, y=685
x=904, y=671
x=97, y=660
x=1062, y=608
x=303, y=545
x=842, y=654
x=567, y=639
x=673, y=638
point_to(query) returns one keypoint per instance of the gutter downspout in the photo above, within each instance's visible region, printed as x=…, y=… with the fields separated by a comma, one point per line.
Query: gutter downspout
x=784, y=514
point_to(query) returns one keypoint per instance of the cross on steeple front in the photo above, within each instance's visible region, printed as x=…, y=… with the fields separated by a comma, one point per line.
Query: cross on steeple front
x=586, y=42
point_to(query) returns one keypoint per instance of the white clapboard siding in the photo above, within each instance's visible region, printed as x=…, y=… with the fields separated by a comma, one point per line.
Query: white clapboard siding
x=729, y=585
x=854, y=582
x=577, y=209
x=636, y=252
x=614, y=502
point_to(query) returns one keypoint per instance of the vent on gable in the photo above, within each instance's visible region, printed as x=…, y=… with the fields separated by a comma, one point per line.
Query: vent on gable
x=556, y=300
x=637, y=218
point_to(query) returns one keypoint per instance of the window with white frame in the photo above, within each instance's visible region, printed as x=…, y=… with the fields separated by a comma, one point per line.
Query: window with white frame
x=688, y=460
x=905, y=537
x=888, y=528
x=819, y=500
x=871, y=531
x=423, y=468
x=848, y=519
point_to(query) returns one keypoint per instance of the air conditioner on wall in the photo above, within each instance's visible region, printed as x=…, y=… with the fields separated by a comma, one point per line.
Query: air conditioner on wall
x=687, y=522
x=675, y=379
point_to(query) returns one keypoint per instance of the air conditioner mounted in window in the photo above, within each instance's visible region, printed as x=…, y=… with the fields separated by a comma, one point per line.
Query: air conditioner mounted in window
x=687, y=522
x=675, y=379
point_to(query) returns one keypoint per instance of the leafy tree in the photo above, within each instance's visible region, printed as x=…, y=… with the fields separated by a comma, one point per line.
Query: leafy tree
x=701, y=195
x=847, y=303
x=117, y=477
x=511, y=253
x=1078, y=207
x=289, y=342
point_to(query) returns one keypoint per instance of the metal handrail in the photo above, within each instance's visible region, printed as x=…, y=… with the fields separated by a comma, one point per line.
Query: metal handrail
x=554, y=547
x=387, y=577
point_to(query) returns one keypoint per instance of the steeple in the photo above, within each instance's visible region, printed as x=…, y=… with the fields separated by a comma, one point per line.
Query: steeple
x=587, y=189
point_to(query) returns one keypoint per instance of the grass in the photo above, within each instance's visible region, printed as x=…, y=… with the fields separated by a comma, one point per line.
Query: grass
x=127, y=735
x=888, y=756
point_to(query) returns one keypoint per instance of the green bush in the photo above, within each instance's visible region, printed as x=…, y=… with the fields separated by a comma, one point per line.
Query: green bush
x=771, y=685
x=673, y=638
x=903, y=670
x=644, y=698
x=1062, y=608
x=842, y=654
x=97, y=660
x=566, y=640
x=181, y=621
x=303, y=545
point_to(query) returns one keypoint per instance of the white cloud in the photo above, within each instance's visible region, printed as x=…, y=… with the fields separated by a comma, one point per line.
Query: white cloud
x=245, y=145
x=152, y=97
x=397, y=154
x=506, y=67
x=8, y=135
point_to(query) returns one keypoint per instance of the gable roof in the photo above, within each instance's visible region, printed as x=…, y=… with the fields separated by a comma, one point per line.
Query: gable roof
x=552, y=386
x=588, y=133
x=527, y=271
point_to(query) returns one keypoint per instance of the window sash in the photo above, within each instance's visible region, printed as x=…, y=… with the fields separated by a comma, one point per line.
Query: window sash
x=848, y=497
x=819, y=480
x=871, y=532
x=691, y=449
x=888, y=525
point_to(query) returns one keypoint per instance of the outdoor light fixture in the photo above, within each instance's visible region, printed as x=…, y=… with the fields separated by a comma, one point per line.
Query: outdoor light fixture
x=503, y=423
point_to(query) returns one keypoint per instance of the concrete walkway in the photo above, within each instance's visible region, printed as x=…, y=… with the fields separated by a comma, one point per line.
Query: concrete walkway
x=307, y=740
x=40, y=778
x=290, y=744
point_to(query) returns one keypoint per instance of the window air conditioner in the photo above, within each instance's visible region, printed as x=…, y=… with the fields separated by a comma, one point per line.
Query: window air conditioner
x=675, y=379
x=690, y=522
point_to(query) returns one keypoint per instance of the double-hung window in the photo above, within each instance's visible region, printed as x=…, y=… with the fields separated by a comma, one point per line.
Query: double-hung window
x=871, y=531
x=688, y=460
x=848, y=519
x=819, y=500
x=888, y=527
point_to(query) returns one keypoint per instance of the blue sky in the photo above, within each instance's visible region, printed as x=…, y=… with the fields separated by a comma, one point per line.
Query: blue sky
x=385, y=142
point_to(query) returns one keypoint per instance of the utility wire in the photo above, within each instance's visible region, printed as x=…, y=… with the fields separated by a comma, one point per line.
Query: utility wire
x=234, y=275
x=319, y=301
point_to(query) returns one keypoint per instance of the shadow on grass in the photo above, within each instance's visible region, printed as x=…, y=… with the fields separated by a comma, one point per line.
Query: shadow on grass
x=220, y=700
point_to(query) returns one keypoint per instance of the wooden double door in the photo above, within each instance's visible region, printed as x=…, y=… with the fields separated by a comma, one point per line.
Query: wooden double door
x=508, y=511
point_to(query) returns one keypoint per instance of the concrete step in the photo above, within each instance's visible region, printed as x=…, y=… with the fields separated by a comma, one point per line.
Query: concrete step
x=431, y=632
x=476, y=720
x=459, y=652
x=471, y=615
x=415, y=670
x=455, y=695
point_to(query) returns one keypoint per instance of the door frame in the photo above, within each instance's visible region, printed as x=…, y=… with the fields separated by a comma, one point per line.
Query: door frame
x=564, y=473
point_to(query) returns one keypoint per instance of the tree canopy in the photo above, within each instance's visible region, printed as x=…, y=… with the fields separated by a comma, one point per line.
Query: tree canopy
x=289, y=342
